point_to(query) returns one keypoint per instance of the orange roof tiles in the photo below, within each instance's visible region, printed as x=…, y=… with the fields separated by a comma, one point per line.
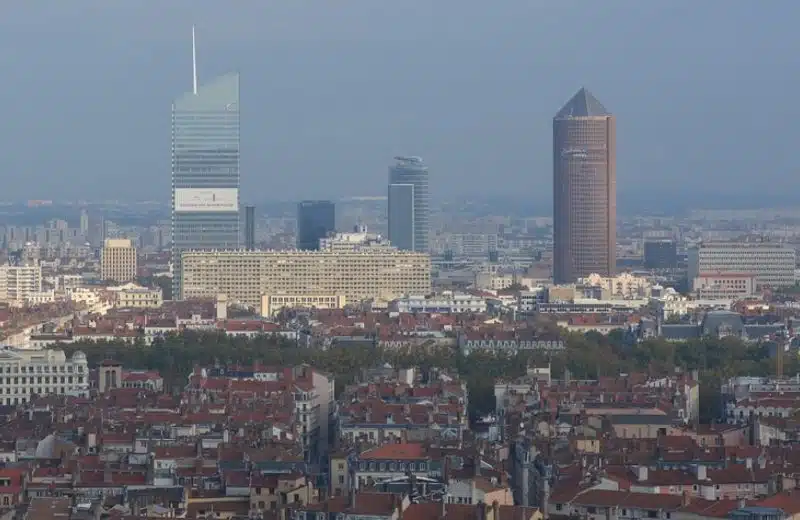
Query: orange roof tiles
x=404, y=451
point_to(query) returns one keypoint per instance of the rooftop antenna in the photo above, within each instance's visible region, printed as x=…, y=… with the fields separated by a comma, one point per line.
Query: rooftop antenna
x=194, y=64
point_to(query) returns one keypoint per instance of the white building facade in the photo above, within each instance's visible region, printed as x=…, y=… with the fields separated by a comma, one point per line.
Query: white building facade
x=446, y=303
x=772, y=263
x=19, y=282
x=25, y=373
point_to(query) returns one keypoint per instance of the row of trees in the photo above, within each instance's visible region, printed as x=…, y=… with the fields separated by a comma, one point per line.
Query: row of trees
x=587, y=356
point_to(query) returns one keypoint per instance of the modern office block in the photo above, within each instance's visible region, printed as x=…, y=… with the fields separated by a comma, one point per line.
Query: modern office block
x=316, y=219
x=409, y=204
x=205, y=168
x=250, y=228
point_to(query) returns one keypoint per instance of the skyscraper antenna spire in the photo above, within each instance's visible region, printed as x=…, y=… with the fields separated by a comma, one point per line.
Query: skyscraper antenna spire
x=194, y=64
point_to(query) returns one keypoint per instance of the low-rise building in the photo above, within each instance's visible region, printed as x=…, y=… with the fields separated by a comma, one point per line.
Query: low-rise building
x=446, y=302
x=25, y=373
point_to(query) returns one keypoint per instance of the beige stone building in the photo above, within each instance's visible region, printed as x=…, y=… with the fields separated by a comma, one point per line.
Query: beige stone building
x=245, y=276
x=118, y=260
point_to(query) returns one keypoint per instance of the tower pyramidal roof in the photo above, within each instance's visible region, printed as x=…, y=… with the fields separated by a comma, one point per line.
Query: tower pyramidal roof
x=583, y=104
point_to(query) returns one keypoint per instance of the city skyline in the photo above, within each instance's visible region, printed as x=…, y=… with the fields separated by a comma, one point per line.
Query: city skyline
x=309, y=116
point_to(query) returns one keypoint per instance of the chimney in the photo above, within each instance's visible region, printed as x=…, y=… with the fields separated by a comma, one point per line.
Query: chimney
x=742, y=503
x=701, y=472
x=748, y=463
x=444, y=507
x=641, y=473
x=107, y=474
x=686, y=499
x=495, y=510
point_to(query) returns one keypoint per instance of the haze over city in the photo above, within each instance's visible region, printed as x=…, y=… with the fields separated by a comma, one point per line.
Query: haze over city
x=331, y=91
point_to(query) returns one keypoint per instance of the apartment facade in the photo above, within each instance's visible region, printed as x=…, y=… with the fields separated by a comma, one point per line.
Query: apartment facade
x=140, y=298
x=772, y=263
x=118, y=260
x=20, y=282
x=245, y=276
x=24, y=373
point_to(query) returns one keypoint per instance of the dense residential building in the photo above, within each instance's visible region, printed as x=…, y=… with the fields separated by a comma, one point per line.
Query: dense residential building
x=316, y=219
x=19, y=282
x=409, y=204
x=358, y=240
x=357, y=276
x=446, y=302
x=584, y=189
x=624, y=285
x=28, y=372
x=773, y=264
x=139, y=297
x=271, y=304
x=118, y=260
x=719, y=285
x=205, y=169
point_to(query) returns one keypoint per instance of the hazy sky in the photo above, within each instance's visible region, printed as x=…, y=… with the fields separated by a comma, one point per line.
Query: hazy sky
x=703, y=92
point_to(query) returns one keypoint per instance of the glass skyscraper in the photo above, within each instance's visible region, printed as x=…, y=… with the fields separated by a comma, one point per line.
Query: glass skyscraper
x=409, y=204
x=205, y=170
x=316, y=219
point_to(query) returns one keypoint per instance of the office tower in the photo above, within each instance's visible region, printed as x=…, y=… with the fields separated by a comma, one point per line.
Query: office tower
x=205, y=168
x=118, y=260
x=253, y=277
x=250, y=228
x=771, y=263
x=584, y=190
x=660, y=254
x=409, y=204
x=84, y=222
x=316, y=219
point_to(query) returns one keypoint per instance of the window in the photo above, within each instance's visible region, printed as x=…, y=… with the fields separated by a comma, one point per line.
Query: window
x=652, y=514
x=559, y=507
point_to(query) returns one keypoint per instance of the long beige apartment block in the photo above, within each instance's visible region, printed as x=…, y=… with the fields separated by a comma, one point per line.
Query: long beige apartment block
x=245, y=276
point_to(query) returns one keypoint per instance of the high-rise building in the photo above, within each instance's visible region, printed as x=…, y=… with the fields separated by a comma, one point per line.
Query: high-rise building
x=584, y=190
x=205, y=168
x=84, y=223
x=19, y=282
x=316, y=219
x=118, y=260
x=660, y=254
x=250, y=228
x=409, y=204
